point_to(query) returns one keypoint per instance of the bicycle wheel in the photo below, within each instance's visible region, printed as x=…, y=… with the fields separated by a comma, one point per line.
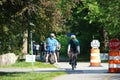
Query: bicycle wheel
x=73, y=62
x=52, y=59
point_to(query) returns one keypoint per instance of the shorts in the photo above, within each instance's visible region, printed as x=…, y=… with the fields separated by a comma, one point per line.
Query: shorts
x=50, y=50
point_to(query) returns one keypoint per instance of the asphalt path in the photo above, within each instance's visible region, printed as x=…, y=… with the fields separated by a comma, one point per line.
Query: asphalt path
x=84, y=71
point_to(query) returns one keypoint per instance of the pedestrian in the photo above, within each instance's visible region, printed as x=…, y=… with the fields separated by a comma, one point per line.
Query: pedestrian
x=57, y=49
x=73, y=47
x=50, y=46
x=42, y=50
x=34, y=48
x=37, y=49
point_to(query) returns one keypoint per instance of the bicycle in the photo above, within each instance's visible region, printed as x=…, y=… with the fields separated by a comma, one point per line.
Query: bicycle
x=73, y=60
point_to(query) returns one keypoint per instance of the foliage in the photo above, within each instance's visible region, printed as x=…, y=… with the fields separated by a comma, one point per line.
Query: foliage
x=88, y=19
x=63, y=39
x=16, y=16
x=11, y=27
x=81, y=26
x=105, y=13
x=111, y=19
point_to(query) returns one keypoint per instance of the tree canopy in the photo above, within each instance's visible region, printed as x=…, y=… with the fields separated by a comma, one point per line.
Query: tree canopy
x=88, y=19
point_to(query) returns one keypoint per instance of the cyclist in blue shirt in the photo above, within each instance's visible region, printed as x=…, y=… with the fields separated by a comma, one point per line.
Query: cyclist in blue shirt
x=51, y=46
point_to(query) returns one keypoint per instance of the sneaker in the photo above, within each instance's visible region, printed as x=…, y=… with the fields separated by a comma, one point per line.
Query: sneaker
x=46, y=63
x=56, y=63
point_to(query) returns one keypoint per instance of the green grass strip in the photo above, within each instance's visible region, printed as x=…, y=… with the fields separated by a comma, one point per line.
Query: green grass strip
x=23, y=64
x=30, y=76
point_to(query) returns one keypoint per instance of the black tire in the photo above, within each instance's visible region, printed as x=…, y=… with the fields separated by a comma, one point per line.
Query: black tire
x=72, y=67
x=52, y=59
x=73, y=63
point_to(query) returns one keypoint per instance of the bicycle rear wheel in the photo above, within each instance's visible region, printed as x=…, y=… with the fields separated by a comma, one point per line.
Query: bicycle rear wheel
x=52, y=59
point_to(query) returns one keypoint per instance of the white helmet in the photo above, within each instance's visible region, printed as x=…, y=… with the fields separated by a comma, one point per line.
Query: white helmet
x=73, y=36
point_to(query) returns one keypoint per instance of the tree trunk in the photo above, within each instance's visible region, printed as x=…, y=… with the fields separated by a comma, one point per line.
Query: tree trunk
x=25, y=43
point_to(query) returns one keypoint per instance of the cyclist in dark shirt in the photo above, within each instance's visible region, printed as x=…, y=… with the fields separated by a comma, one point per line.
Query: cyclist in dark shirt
x=73, y=47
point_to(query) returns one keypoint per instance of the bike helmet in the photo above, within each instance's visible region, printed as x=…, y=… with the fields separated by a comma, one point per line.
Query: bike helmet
x=73, y=36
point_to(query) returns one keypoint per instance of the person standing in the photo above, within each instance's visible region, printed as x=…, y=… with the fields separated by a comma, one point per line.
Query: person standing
x=51, y=46
x=42, y=50
x=37, y=49
x=57, y=50
x=34, y=48
x=73, y=47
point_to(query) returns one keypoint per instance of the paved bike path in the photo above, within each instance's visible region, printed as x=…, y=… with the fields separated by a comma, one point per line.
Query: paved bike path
x=82, y=67
x=86, y=72
x=82, y=72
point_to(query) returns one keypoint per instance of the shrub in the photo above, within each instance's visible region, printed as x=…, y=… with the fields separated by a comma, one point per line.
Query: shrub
x=63, y=39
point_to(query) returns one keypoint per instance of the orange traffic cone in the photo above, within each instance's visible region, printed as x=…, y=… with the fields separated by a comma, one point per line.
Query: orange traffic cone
x=95, y=60
x=114, y=61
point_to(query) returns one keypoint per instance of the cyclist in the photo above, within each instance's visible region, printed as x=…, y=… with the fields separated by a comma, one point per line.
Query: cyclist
x=73, y=47
x=50, y=46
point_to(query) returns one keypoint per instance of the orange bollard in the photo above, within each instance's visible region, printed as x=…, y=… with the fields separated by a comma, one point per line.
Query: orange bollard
x=114, y=61
x=95, y=57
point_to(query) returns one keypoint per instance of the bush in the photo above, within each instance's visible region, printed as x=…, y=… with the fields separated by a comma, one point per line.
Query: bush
x=63, y=39
x=17, y=52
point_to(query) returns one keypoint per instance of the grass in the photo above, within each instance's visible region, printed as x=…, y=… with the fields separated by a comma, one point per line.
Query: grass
x=29, y=76
x=23, y=64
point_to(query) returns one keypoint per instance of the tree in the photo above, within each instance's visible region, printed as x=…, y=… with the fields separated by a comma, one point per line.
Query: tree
x=16, y=17
x=111, y=19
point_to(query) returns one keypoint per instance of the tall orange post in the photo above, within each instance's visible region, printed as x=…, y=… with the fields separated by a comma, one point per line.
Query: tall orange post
x=95, y=60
